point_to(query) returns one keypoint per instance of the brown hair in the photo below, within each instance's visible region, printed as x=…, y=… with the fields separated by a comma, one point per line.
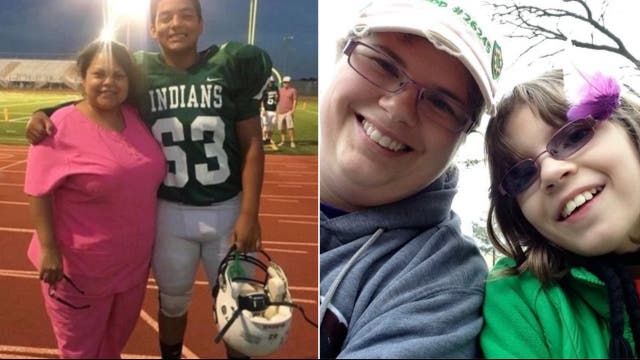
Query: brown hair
x=121, y=56
x=507, y=228
x=153, y=9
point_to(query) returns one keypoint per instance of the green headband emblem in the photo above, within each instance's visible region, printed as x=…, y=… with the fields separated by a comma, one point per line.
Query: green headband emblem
x=496, y=60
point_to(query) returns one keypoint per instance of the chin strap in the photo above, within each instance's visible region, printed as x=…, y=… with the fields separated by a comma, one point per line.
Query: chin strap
x=226, y=327
x=296, y=306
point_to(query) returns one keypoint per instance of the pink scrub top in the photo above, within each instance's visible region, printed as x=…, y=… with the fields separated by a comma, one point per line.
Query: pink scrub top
x=103, y=186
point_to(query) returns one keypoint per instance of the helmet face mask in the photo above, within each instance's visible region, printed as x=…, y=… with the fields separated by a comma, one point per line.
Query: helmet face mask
x=251, y=304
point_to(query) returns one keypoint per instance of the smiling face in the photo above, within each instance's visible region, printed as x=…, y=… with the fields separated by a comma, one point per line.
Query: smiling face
x=374, y=148
x=105, y=83
x=177, y=26
x=588, y=203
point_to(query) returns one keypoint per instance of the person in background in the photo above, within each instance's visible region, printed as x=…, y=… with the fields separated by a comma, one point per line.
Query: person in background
x=398, y=278
x=287, y=101
x=210, y=196
x=268, y=112
x=92, y=192
x=565, y=200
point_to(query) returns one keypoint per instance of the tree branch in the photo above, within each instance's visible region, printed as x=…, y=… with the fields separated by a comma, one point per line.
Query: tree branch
x=528, y=22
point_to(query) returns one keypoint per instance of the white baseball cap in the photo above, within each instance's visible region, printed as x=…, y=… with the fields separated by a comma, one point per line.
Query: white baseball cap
x=286, y=79
x=448, y=26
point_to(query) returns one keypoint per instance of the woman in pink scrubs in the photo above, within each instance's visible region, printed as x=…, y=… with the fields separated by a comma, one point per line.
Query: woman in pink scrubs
x=92, y=191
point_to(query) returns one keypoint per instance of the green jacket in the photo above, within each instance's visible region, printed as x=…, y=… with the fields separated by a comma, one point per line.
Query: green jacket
x=525, y=320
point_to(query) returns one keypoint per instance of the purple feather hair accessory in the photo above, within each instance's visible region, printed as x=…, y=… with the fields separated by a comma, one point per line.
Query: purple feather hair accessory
x=598, y=97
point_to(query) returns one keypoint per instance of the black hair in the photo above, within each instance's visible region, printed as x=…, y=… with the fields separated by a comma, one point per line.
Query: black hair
x=153, y=9
x=120, y=56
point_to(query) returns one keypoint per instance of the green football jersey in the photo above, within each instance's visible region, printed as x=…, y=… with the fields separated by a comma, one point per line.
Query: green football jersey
x=270, y=98
x=193, y=113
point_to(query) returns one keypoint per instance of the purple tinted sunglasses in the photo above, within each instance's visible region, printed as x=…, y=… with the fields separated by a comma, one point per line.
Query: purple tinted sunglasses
x=564, y=143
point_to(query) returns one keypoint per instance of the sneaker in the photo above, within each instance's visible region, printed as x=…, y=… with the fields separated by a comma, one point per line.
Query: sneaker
x=293, y=145
x=281, y=143
x=274, y=146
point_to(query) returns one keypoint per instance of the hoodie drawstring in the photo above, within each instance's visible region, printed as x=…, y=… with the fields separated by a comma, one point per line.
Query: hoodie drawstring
x=334, y=285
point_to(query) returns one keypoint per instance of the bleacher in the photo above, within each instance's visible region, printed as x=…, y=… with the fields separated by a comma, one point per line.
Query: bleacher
x=61, y=74
x=30, y=73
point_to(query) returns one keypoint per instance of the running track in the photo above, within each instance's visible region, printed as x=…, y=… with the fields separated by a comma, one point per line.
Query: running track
x=288, y=216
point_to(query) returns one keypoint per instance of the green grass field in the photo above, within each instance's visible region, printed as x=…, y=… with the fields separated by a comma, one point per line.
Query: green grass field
x=306, y=127
x=16, y=107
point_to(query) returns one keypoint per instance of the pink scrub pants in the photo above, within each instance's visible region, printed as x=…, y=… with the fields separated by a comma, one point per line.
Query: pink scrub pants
x=100, y=331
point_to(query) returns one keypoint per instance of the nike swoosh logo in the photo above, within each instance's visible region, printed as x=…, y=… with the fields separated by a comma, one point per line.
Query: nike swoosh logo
x=213, y=79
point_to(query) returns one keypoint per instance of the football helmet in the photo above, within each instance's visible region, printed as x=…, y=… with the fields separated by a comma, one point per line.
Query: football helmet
x=252, y=304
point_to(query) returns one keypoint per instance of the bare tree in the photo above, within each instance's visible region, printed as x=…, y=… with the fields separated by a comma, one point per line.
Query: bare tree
x=572, y=19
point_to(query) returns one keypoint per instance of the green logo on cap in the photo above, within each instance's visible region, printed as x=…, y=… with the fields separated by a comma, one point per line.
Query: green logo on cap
x=496, y=60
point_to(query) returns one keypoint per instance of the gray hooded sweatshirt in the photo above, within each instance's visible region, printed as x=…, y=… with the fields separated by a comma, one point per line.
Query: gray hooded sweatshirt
x=415, y=290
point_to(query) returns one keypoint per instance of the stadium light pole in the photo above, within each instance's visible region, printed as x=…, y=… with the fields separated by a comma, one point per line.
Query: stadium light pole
x=253, y=14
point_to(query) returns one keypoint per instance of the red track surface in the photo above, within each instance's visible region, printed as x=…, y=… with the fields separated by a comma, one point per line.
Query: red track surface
x=288, y=216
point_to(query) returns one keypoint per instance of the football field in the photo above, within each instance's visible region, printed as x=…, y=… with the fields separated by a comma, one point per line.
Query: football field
x=16, y=107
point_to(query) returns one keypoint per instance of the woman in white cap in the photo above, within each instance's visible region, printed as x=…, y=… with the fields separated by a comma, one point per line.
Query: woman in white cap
x=398, y=279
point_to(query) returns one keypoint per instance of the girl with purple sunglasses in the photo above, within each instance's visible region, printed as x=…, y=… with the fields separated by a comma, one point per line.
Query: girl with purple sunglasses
x=565, y=210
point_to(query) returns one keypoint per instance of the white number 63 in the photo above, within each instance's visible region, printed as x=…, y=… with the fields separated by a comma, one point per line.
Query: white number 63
x=213, y=150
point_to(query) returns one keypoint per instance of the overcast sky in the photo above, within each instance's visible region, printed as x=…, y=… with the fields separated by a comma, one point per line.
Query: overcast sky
x=287, y=29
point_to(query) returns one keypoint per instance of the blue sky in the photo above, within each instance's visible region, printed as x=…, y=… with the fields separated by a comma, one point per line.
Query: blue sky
x=287, y=29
